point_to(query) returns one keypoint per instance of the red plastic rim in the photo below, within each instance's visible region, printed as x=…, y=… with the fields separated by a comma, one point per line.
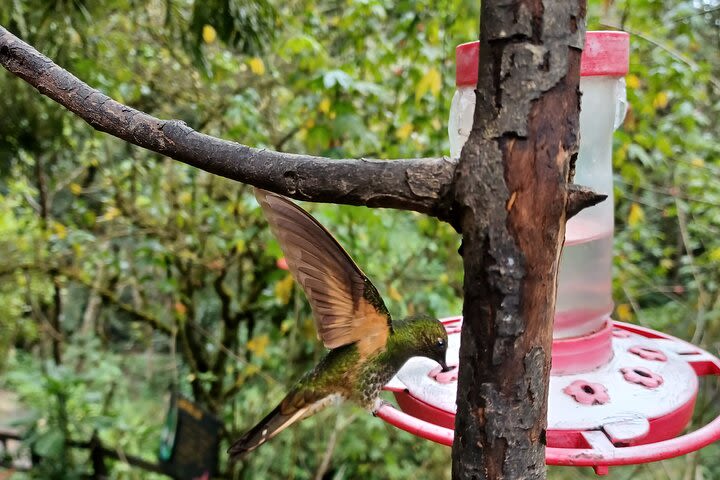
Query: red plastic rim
x=606, y=53
x=596, y=449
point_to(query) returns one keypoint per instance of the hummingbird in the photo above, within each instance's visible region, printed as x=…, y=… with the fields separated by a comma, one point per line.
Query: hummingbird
x=367, y=347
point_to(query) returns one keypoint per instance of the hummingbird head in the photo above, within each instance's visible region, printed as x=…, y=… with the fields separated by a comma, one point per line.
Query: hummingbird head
x=425, y=336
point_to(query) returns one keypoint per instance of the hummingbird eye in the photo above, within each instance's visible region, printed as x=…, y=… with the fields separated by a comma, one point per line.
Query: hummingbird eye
x=440, y=342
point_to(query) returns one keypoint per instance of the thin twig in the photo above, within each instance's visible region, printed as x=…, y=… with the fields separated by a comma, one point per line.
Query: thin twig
x=702, y=293
x=340, y=425
x=670, y=50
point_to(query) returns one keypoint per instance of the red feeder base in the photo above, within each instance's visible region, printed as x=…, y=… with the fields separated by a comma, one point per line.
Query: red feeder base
x=625, y=412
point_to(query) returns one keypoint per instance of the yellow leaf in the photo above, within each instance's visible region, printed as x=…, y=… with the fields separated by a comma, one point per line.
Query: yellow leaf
x=324, y=106
x=111, y=213
x=186, y=254
x=75, y=189
x=620, y=155
x=283, y=289
x=697, y=162
x=430, y=82
x=184, y=198
x=60, y=230
x=715, y=254
x=632, y=81
x=257, y=66
x=404, y=132
x=624, y=312
x=660, y=101
x=209, y=34
x=286, y=325
x=258, y=345
x=394, y=294
x=636, y=215
x=307, y=327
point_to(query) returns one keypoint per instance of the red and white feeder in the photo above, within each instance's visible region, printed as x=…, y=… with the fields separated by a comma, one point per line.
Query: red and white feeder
x=619, y=394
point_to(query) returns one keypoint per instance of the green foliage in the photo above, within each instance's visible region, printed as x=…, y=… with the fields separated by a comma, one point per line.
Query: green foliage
x=166, y=275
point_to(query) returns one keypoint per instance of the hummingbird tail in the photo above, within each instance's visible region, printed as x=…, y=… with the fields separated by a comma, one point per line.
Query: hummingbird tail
x=274, y=423
x=277, y=421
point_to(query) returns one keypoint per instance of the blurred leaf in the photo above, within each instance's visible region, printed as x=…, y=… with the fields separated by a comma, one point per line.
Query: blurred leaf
x=337, y=78
x=624, y=312
x=50, y=443
x=636, y=215
x=394, y=294
x=404, y=132
x=430, y=82
x=284, y=289
x=209, y=34
x=661, y=100
x=257, y=66
x=60, y=230
x=258, y=345
x=632, y=81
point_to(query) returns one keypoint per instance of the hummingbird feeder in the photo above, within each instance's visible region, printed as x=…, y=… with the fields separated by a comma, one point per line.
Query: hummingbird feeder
x=619, y=394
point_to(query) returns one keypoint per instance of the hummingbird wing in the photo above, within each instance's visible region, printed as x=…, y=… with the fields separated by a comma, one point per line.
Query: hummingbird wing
x=346, y=305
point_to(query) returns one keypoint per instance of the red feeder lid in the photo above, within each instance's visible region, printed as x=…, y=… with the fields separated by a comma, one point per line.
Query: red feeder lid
x=606, y=53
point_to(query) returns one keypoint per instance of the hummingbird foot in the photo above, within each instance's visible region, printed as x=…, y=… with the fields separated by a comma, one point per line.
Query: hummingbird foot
x=379, y=403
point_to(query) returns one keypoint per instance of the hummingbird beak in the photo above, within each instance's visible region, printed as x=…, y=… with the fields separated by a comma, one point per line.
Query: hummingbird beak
x=444, y=366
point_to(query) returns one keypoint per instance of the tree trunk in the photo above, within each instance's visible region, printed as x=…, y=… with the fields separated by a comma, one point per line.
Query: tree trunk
x=511, y=195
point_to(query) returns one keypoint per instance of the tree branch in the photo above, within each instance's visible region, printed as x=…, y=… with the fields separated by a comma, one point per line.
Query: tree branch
x=111, y=298
x=419, y=184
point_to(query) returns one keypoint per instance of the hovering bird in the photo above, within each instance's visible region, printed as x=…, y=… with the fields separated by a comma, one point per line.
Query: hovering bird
x=366, y=347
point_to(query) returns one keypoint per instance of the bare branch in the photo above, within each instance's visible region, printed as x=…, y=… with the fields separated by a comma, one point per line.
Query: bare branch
x=110, y=297
x=418, y=184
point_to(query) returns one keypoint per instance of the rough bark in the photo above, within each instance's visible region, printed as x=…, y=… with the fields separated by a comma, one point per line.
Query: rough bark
x=511, y=198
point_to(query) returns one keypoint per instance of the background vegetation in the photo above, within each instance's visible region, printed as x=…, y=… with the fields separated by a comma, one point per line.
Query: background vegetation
x=124, y=275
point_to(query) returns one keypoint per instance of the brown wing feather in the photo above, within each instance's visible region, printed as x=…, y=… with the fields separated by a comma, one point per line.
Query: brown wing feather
x=346, y=306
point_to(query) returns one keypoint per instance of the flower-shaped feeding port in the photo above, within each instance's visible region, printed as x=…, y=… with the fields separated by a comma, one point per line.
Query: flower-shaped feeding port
x=648, y=353
x=587, y=393
x=642, y=376
x=620, y=333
